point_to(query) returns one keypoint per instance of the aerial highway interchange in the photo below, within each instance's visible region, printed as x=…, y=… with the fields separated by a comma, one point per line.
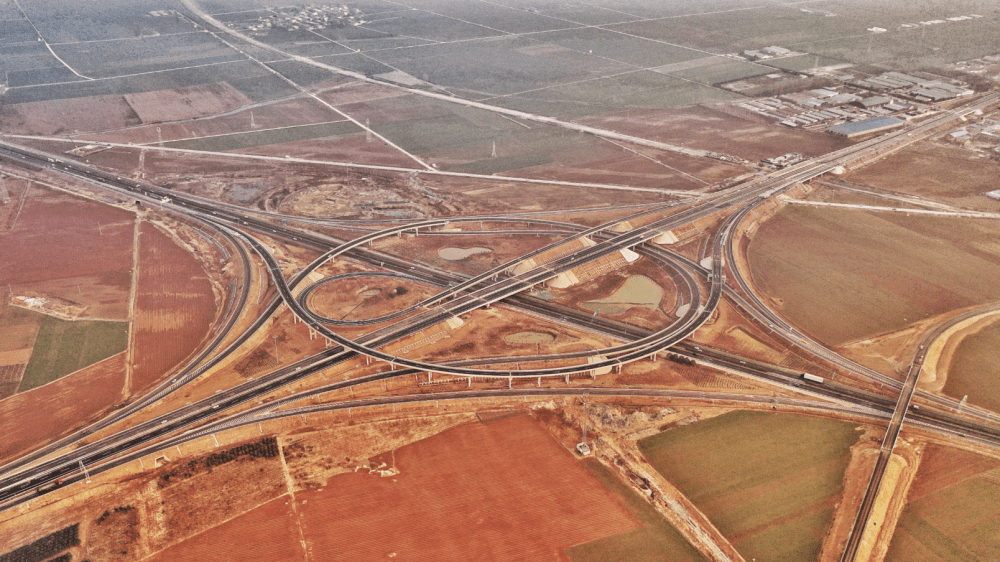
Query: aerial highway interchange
x=703, y=285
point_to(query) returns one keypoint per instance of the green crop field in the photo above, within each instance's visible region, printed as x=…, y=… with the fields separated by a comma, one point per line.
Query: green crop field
x=64, y=346
x=956, y=523
x=974, y=369
x=656, y=540
x=769, y=482
x=846, y=274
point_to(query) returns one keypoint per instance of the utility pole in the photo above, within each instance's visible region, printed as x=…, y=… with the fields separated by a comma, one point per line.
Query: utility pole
x=494, y=155
x=252, y=124
x=368, y=131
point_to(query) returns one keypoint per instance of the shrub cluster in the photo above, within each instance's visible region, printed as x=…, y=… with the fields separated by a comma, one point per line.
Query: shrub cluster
x=46, y=547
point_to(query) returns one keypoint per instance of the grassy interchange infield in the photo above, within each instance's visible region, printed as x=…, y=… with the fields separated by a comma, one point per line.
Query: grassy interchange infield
x=64, y=346
x=769, y=482
x=846, y=274
x=974, y=369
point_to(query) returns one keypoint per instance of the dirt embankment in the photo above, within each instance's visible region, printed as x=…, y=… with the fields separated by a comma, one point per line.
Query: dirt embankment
x=941, y=351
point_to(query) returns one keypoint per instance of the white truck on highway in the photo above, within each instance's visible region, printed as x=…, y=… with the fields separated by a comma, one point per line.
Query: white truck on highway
x=812, y=378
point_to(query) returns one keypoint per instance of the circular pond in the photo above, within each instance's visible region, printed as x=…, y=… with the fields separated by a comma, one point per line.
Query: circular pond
x=529, y=338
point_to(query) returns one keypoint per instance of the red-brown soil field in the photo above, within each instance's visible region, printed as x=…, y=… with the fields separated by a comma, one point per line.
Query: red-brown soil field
x=186, y=103
x=265, y=534
x=58, y=117
x=174, y=307
x=42, y=414
x=71, y=250
x=500, y=491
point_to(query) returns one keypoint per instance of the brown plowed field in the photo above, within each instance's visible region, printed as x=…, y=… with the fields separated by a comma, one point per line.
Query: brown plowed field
x=42, y=414
x=501, y=491
x=361, y=92
x=174, y=307
x=57, y=117
x=186, y=103
x=70, y=250
x=265, y=534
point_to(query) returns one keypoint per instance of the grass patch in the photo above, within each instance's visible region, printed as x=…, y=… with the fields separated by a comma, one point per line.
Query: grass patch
x=974, y=369
x=253, y=139
x=769, y=482
x=957, y=523
x=846, y=274
x=655, y=540
x=64, y=346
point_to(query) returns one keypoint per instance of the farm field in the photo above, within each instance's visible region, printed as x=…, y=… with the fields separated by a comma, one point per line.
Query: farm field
x=68, y=115
x=769, y=482
x=63, y=346
x=32, y=418
x=174, y=307
x=952, y=511
x=185, y=103
x=656, y=539
x=266, y=534
x=251, y=139
x=252, y=80
x=284, y=113
x=42, y=254
x=842, y=275
x=928, y=170
x=974, y=369
x=461, y=495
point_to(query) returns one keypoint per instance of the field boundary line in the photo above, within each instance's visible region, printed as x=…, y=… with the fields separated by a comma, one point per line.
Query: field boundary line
x=671, y=192
x=46, y=43
x=290, y=486
x=133, y=295
x=154, y=143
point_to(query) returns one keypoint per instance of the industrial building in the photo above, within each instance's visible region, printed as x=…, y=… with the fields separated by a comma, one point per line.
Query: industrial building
x=866, y=126
x=874, y=101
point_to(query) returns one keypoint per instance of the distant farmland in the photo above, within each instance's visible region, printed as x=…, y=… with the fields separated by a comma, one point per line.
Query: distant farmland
x=253, y=139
